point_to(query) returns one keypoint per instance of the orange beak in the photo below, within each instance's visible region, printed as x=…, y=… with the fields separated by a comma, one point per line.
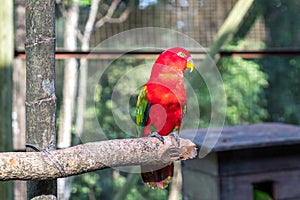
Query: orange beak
x=190, y=64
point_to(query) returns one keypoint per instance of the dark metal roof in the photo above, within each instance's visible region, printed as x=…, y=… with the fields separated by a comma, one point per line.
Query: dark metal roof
x=246, y=136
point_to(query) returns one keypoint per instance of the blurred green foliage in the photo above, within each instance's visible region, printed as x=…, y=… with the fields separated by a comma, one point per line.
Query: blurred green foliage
x=244, y=82
x=283, y=93
x=122, y=79
x=102, y=185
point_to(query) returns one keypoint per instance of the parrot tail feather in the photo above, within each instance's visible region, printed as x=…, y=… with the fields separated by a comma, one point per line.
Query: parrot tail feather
x=157, y=176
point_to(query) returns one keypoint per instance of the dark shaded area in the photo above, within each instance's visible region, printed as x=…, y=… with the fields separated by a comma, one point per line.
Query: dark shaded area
x=283, y=93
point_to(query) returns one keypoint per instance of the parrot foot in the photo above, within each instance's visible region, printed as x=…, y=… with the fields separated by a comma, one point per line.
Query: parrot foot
x=156, y=135
x=53, y=159
x=176, y=137
x=174, y=153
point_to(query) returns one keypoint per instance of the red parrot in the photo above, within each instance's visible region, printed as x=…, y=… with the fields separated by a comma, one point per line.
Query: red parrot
x=160, y=107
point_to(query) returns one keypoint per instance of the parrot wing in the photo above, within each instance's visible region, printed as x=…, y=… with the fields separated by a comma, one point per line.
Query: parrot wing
x=142, y=110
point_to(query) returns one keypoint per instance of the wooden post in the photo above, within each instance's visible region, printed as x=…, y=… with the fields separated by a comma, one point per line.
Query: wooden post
x=40, y=86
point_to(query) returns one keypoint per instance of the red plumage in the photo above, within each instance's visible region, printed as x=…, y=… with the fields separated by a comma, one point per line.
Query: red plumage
x=166, y=99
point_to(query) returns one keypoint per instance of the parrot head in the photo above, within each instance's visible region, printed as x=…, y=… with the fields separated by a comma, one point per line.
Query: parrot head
x=177, y=58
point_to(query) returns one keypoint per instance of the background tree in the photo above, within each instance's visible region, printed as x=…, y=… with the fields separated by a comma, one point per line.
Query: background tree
x=71, y=12
x=6, y=62
x=19, y=92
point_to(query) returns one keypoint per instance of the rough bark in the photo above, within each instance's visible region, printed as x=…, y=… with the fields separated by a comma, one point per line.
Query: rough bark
x=40, y=89
x=93, y=156
x=6, y=62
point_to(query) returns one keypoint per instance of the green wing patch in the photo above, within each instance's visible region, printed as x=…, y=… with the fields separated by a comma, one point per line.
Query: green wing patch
x=142, y=110
x=184, y=110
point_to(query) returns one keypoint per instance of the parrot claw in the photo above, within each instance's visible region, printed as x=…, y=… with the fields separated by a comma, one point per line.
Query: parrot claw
x=156, y=135
x=174, y=153
x=176, y=137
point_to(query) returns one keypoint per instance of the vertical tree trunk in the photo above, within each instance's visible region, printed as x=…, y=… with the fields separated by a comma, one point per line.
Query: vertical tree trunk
x=40, y=86
x=81, y=99
x=19, y=104
x=85, y=45
x=19, y=118
x=70, y=77
x=69, y=93
x=176, y=186
x=6, y=61
x=19, y=92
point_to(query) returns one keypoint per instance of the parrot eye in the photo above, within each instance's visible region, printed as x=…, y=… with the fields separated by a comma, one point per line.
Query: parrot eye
x=181, y=54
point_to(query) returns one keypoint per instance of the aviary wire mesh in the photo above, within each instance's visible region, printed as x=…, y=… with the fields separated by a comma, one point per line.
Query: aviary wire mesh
x=199, y=19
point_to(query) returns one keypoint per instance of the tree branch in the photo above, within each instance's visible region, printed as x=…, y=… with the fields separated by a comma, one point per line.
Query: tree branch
x=89, y=25
x=108, y=17
x=93, y=156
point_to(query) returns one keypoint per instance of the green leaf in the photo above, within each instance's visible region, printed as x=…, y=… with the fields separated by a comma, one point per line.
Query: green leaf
x=261, y=195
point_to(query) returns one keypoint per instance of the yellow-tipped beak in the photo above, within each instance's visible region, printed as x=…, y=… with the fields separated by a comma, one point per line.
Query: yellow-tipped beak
x=190, y=64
